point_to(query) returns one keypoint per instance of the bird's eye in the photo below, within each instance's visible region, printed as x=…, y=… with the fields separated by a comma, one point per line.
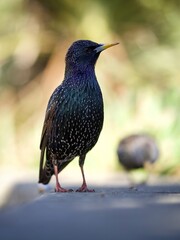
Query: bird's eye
x=90, y=49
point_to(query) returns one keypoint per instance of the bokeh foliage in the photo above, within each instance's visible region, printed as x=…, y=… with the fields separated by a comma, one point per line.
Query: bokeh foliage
x=139, y=78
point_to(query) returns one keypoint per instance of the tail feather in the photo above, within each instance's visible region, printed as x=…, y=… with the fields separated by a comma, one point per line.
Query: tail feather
x=41, y=164
x=46, y=173
x=43, y=176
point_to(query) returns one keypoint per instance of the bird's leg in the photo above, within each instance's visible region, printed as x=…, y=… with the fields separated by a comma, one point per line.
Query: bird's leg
x=83, y=187
x=58, y=187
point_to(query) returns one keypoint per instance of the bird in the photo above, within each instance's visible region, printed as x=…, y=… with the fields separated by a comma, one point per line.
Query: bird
x=74, y=115
x=137, y=151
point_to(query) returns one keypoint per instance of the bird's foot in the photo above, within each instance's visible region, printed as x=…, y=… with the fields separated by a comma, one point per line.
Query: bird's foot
x=84, y=188
x=58, y=188
x=63, y=190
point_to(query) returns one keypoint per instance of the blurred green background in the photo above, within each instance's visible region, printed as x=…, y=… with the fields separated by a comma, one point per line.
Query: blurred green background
x=140, y=78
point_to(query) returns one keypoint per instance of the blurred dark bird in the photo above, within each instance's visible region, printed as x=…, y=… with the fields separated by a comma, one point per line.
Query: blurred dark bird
x=74, y=115
x=137, y=151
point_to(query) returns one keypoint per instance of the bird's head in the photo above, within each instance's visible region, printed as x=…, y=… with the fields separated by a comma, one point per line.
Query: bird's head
x=84, y=53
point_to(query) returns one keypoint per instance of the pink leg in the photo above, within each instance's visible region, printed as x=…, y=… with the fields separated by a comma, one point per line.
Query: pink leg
x=84, y=187
x=58, y=186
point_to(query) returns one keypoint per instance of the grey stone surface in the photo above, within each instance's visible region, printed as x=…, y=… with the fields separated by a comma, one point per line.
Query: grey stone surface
x=113, y=212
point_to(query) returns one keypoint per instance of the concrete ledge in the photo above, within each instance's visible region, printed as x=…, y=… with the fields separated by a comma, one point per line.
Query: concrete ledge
x=113, y=212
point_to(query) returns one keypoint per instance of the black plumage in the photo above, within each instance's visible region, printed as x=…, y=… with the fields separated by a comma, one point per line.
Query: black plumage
x=74, y=116
x=136, y=150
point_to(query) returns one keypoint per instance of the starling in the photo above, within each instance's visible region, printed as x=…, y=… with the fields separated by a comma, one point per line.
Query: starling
x=74, y=115
x=136, y=150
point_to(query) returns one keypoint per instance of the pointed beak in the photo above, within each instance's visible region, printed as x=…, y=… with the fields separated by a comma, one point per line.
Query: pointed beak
x=104, y=46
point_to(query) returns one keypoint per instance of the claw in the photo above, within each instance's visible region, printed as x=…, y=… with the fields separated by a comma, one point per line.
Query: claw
x=84, y=188
x=60, y=189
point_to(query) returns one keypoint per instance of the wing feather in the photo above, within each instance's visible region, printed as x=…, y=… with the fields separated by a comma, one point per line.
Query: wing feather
x=47, y=127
